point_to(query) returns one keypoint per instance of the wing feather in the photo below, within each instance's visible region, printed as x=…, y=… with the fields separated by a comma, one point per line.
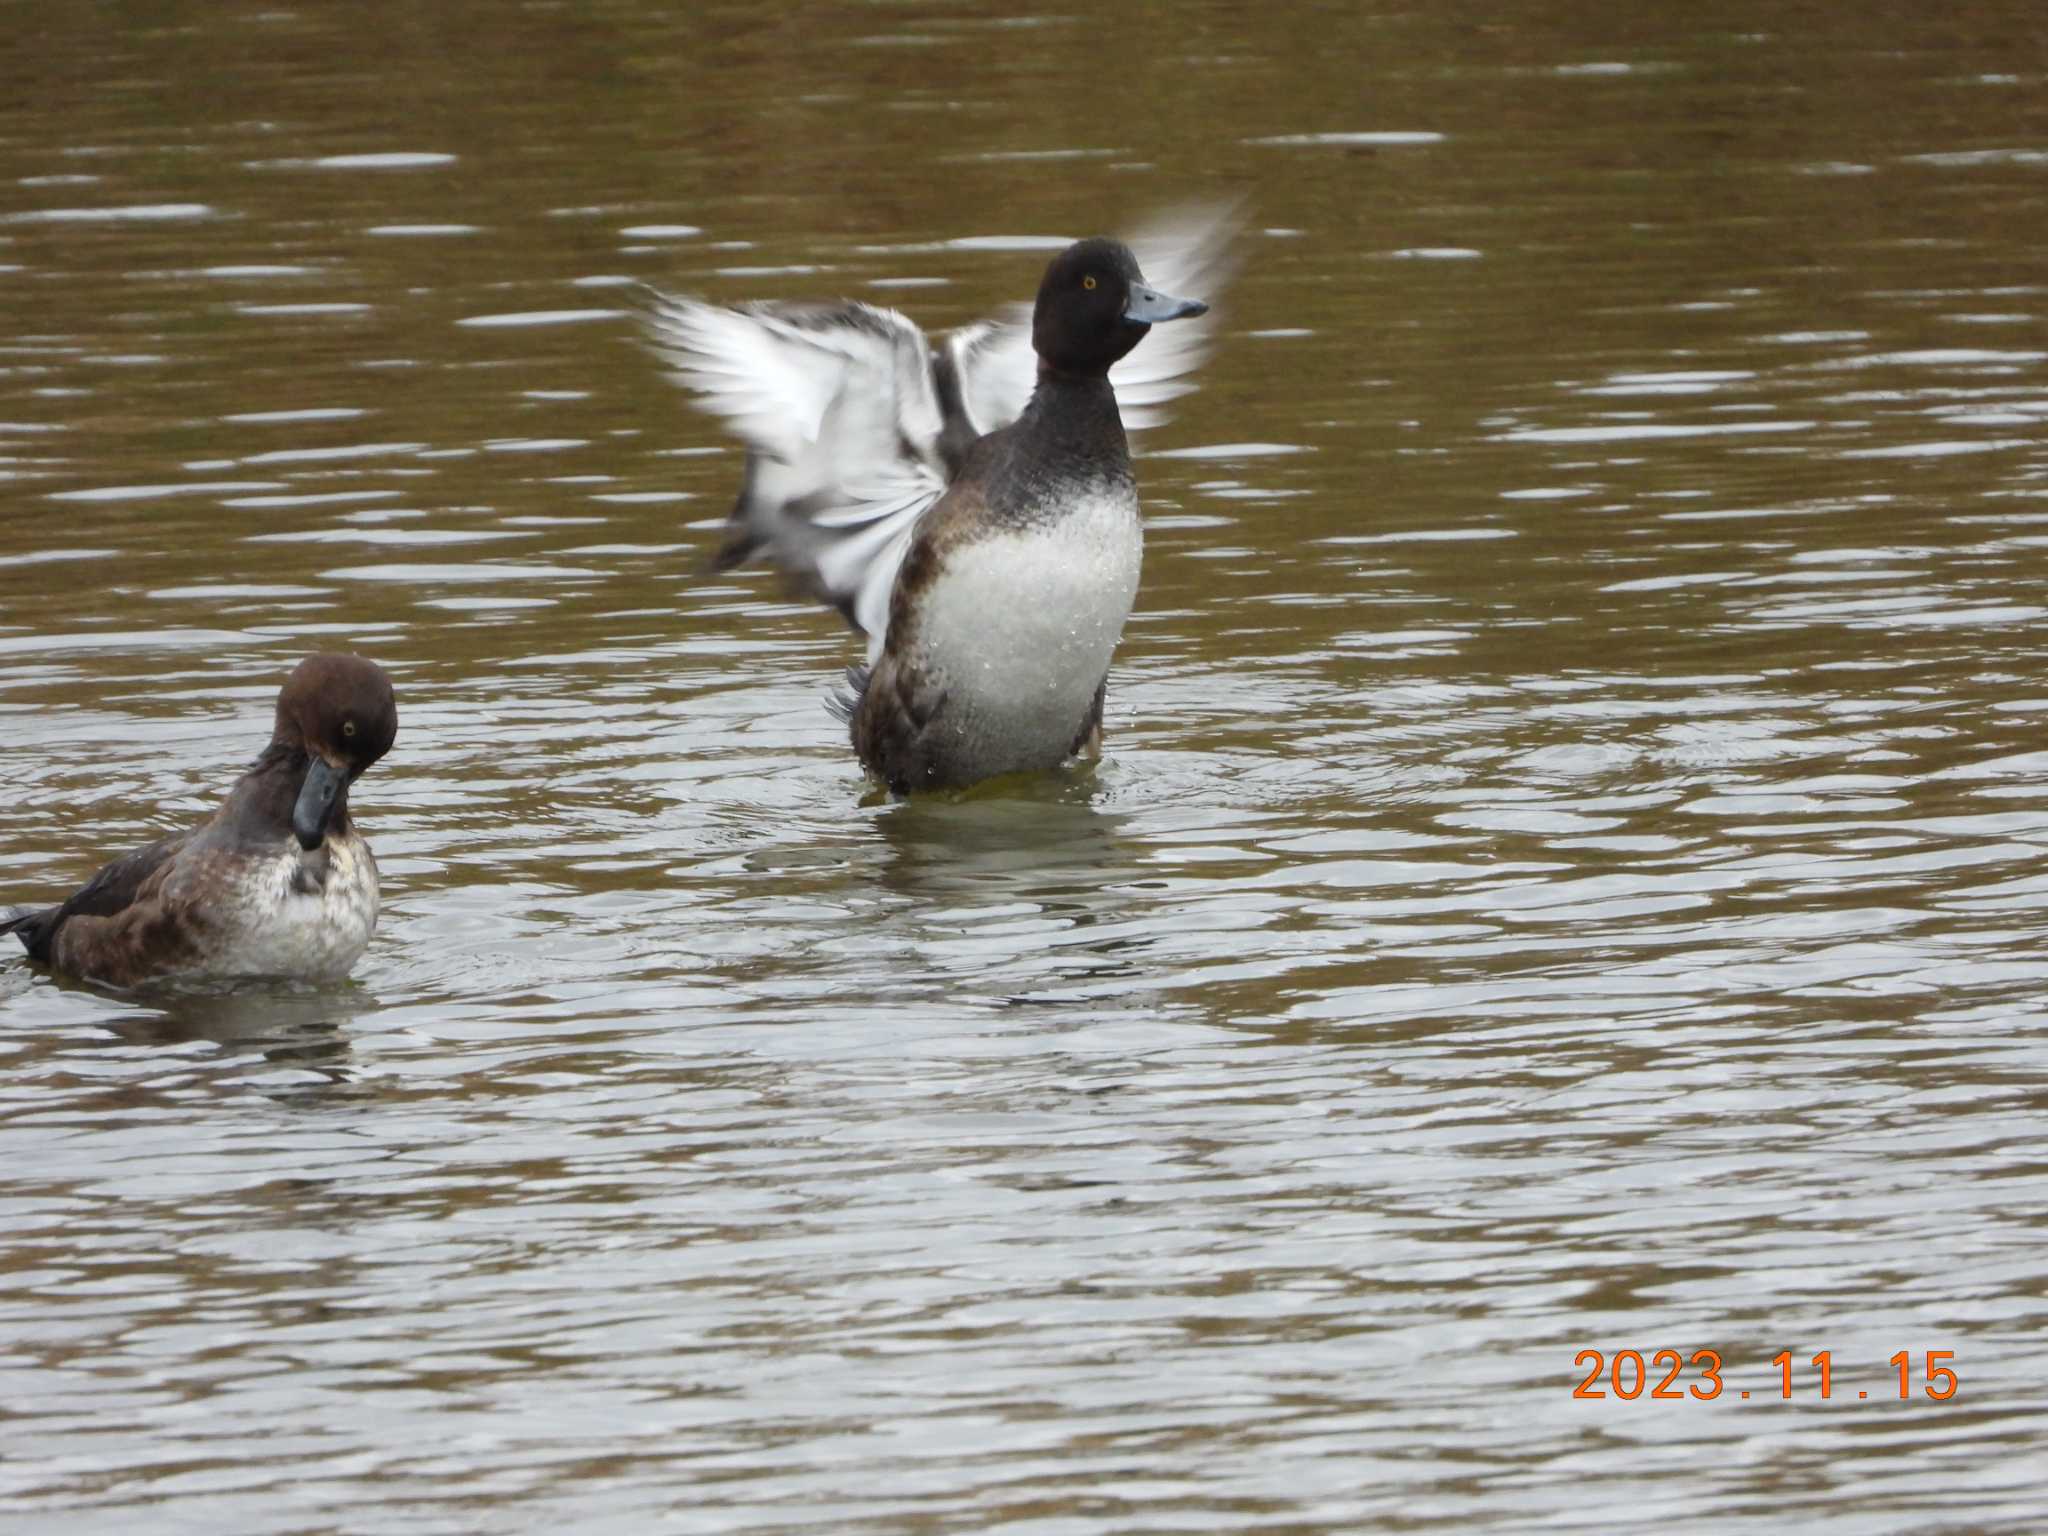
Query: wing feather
x=110, y=893
x=837, y=408
x=1190, y=251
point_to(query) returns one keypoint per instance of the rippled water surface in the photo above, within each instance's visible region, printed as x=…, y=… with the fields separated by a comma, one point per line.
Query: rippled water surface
x=1567, y=872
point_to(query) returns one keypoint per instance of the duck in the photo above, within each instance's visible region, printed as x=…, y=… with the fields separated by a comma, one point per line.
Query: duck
x=967, y=505
x=276, y=883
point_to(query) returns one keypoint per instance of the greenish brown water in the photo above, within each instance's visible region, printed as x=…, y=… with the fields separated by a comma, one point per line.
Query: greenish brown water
x=1566, y=872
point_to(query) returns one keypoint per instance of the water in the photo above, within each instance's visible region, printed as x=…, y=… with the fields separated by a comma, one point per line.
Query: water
x=1566, y=874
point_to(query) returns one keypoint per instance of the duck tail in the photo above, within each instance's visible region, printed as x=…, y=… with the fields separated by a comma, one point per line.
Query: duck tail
x=30, y=925
x=843, y=701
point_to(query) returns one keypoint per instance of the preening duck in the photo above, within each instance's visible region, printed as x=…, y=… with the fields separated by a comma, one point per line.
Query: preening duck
x=276, y=883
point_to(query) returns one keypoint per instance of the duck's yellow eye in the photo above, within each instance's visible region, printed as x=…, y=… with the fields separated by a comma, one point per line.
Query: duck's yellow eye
x=1088, y=283
x=348, y=727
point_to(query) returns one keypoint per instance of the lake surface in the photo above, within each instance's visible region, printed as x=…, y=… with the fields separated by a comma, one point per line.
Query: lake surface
x=1566, y=873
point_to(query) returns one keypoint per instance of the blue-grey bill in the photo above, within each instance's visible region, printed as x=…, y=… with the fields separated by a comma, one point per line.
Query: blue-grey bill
x=1148, y=306
x=315, y=805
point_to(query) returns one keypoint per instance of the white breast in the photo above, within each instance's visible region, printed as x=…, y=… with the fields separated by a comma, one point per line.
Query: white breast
x=269, y=926
x=1020, y=627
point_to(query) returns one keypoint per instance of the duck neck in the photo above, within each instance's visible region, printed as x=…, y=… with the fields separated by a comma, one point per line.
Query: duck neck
x=1079, y=385
x=261, y=802
x=1075, y=412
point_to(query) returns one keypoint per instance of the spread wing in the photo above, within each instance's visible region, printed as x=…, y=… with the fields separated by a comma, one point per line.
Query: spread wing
x=1187, y=251
x=852, y=424
x=837, y=407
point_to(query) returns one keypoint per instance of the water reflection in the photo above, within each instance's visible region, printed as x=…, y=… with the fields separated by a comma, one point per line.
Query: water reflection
x=290, y=1043
x=1035, y=840
x=288, y=1026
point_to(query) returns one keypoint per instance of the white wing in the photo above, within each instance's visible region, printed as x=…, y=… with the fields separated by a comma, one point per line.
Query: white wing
x=836, y=406
x=1188, y=252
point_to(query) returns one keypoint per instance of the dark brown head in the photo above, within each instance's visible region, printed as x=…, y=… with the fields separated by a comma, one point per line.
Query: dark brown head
x=338, y=711
x=1093, y=307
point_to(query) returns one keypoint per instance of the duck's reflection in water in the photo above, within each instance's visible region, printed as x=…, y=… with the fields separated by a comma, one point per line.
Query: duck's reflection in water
x=301, y=1030
x=1038, y=838
x=1025, y=882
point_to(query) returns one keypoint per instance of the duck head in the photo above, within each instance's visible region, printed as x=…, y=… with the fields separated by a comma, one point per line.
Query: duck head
x=338, y=711
x=1094, y=306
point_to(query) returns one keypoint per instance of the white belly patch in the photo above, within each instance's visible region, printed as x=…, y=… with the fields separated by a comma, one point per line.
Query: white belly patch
x=1020, y=626
x=270, y=926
